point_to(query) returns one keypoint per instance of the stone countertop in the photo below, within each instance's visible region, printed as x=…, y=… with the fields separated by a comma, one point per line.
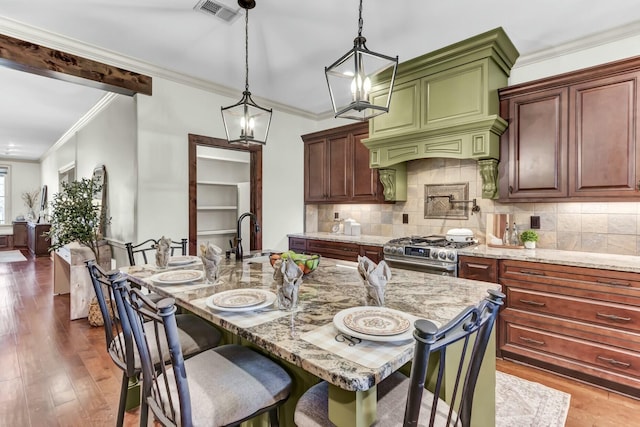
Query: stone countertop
x=363, y=239
x=552, y=256
x=615, y=262
x=334, y=286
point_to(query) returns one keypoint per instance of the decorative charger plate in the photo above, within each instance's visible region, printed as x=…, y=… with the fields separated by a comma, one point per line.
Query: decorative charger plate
x=376, y=322
x=338, y=322
x=178, y=276
x=182, y=260
x=239, y=298
x=269, y=299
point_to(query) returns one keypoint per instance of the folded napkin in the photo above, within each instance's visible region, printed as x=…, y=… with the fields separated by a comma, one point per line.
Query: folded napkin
x=163, y=251
x=211, y=256
x=375, y=279
x=288, y=277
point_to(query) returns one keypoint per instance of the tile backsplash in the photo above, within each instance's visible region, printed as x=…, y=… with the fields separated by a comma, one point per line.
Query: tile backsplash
x=611, y=227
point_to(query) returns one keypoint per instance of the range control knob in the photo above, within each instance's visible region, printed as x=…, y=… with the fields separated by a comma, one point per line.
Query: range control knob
x=400, y=250
x=451, y=256
x=434, y=254
x=442, y=255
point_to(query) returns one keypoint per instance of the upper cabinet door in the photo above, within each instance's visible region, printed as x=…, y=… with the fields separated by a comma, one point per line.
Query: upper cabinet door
x=603, y=131
x=366, y=184
x=315, y=161
x=537, y=146
x=338, y=167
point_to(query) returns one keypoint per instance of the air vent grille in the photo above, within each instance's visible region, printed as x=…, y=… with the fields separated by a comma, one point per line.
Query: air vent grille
x=218, y=10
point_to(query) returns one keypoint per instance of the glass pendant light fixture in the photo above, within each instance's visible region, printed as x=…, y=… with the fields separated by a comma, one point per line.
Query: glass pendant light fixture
x=350, y=79
x=246, y=122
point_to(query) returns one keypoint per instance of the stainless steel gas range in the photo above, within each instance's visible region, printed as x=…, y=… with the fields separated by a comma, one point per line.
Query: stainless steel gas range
x=429, y=254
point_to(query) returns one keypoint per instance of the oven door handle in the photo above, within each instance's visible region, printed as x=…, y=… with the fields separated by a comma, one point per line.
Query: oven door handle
x=439, y=267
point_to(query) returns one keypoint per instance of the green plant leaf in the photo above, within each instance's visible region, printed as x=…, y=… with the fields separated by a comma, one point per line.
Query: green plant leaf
x=76, y=217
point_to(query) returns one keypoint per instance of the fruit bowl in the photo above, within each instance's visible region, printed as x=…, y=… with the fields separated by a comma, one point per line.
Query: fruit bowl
x=306, y=262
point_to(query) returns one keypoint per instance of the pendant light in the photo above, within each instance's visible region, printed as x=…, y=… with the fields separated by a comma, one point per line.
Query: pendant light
x=246, y=122
x=350, y=79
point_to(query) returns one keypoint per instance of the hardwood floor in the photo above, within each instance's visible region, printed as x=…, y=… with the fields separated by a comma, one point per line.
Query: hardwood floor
x=56, y=372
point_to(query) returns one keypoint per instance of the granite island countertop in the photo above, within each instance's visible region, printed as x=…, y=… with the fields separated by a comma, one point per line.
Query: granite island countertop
x=334, y=286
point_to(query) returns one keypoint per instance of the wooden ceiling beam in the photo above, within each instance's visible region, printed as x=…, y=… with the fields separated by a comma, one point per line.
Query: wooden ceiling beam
x=32, y=58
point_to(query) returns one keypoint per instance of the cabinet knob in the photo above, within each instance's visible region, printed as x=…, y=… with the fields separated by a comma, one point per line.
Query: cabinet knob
x=511, y=189
x=638, y=186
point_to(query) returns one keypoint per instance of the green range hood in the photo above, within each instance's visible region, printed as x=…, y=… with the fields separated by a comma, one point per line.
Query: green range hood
x=444, y=104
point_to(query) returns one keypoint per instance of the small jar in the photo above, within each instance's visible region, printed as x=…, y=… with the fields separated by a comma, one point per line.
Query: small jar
x=355, y=229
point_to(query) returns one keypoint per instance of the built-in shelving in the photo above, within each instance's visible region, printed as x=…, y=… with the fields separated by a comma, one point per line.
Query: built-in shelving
x=218, y=208
x=222, y=182
x=216, y=232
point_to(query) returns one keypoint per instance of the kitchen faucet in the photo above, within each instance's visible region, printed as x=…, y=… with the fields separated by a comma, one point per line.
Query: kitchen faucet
x=238, y=248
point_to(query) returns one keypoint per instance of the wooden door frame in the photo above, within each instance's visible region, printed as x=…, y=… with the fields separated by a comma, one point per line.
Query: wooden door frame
x=255, y=203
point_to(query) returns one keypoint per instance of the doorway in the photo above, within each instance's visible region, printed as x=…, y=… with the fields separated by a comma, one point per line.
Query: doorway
x=255, y=190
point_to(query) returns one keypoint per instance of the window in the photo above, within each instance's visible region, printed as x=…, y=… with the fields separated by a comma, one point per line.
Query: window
x=5, y=193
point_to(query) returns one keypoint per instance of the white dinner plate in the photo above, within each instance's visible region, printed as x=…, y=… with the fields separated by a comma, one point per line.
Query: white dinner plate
x=238, y=298
x=270, y=298
x=338, y=322
x=182, y=260
x=177, y=276
x=376, y=321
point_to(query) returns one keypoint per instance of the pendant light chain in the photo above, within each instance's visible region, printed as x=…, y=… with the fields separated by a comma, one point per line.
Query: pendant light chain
x=246, y=50
x=360, y=21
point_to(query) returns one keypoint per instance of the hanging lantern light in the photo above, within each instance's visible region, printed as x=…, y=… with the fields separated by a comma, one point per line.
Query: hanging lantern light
x=246, y=122
x=350, y=79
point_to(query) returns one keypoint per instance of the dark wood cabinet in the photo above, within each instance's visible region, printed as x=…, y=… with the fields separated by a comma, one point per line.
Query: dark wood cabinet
x=374, y=253
x=336, y=167
x=573, y=136
x=536, y=145
x=37, y=242
x=577, y=321
x=475, y=268
x=603, y=129
x=20, y=234
x=334, y=249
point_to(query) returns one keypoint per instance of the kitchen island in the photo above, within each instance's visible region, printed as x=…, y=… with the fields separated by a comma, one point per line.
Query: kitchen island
x=303, y=340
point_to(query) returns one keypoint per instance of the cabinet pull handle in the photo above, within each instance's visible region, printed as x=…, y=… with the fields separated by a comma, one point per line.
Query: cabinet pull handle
x=534, y=303
x=511, y=188
x=614, y=362
x=531, y=341
x=613, y=317
x=613, y=282
x=532, y=272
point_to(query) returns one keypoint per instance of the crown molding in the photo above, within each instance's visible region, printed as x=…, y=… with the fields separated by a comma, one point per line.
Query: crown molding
x=584, y=43
x=53, y=40
x=86, y=118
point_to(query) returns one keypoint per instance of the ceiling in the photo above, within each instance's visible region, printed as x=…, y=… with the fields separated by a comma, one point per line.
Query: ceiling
x=290, y=43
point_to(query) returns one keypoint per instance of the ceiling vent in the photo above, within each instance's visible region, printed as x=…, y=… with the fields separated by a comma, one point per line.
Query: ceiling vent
x=217, y=9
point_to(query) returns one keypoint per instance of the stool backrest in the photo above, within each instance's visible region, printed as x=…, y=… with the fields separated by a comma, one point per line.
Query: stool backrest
x=469, y=332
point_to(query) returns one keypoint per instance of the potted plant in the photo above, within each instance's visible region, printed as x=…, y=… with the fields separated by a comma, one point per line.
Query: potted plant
x=529, y=238
x=30, y=199
x=76, y=216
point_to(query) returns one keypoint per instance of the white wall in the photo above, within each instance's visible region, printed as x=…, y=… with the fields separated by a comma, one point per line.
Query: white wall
x=108, y=139
x=567, y=59
x=164, y=122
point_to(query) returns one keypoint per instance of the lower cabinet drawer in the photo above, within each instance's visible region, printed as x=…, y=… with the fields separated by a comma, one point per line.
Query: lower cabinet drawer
x=612, y=359
x=339, y=250
x=609, y=314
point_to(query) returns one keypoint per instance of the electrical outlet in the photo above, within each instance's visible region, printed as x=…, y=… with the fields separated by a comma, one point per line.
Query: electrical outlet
x=535, y=222
x=336, y=215
x=405, y=218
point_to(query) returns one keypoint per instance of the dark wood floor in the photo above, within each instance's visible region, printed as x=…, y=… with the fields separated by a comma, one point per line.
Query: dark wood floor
x=56, y=372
